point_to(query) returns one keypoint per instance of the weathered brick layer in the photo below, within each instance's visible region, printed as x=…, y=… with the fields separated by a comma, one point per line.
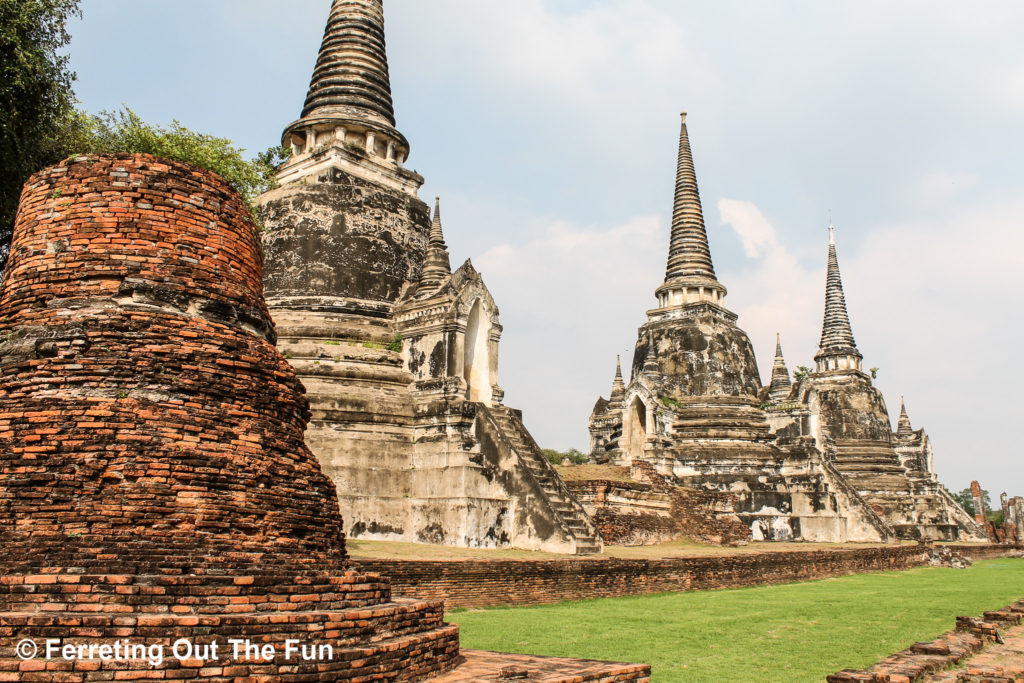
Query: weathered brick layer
x=921, y=660
x=146, y=420
x=154, y=482
x=627, y=513
x=483, y=583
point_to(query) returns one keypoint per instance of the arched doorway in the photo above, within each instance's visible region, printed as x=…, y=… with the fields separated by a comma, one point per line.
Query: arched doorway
x=635, y=429
x=476, y=368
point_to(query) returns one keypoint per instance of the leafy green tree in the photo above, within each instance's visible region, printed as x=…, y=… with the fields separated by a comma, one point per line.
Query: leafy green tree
x=39, y=124
x=125, y=132
x=575, y=456
x=36, y=98
x=966, y=500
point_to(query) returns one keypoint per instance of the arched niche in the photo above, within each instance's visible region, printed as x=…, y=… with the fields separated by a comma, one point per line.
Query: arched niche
x=476, y=368
x=634, y=429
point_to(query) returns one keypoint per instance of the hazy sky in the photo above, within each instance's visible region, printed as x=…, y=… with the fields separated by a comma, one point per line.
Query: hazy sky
x=549, y=128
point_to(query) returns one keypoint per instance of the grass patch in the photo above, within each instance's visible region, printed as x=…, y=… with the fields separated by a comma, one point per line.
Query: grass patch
x=792, y=632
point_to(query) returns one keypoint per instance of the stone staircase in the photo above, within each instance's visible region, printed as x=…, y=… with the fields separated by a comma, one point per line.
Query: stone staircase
x=839, y=482
x=569, y=513
x=873, y=469
x=913, y=508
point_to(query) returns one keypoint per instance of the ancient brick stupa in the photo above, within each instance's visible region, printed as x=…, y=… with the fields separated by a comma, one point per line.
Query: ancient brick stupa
x=399, y=353
x=154, y=483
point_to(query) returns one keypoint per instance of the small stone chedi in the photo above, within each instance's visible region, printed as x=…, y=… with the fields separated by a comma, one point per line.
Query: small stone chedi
x=813, y=460
x=839, y=407
x=398, y=353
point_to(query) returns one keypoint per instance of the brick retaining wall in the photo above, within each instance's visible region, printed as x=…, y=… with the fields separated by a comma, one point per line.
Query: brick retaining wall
x=483, y=583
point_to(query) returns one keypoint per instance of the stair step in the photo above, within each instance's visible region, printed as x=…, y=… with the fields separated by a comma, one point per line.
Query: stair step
x=568, y=514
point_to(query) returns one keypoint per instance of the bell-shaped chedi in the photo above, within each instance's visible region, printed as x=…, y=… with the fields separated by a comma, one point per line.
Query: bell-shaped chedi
x=154, y=483
x=694, y=374
x=345, y=229
x=690, y=351
x=698, y=347
x=398, y=351
x=846, y=415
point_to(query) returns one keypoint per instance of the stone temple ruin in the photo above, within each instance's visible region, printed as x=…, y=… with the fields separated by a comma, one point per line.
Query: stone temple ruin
x=398, y=353
x=812, y=460
x=155, y=488
x=1011, y=530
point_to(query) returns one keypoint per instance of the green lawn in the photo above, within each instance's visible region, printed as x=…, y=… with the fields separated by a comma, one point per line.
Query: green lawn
x=791, y=632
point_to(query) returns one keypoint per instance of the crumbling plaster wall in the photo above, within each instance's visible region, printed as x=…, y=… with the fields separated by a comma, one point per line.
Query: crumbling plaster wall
x=703, y=355
x=342, y=220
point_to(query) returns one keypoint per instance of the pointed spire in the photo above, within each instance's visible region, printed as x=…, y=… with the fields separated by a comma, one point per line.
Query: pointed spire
x=689, y=255
x=903, y=428
x=348, y=105
x=618, y=386
x=436, y=234
x=351, y=74
x=436, y=265
x=837, y=350
x=651, y=365
x=780, y=386
x=689, y=275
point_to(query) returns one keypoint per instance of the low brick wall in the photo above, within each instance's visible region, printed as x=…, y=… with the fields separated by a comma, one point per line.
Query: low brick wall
x=920, y=660
x=483, y=583
x=636, y=513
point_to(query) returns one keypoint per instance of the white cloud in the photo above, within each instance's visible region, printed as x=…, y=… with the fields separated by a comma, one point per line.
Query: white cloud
x=573, y=274
x=932, y=303
x=776, y=293
x=941, y=184
x=753, y=228
x=570, y=301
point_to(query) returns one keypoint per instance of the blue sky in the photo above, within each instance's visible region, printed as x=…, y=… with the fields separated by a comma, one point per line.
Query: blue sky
x=549, y=129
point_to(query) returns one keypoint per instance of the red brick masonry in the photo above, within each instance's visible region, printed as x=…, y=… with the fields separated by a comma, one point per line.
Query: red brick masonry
x=478, y=665
x=154, y=483
x=921, y=660
x=483, y=583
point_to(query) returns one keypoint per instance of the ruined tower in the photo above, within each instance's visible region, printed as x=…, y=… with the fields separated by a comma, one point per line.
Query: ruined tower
x=398, y=353
x=691, y=360
x=692, y=408
x=848, y=420
x=154, y=484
